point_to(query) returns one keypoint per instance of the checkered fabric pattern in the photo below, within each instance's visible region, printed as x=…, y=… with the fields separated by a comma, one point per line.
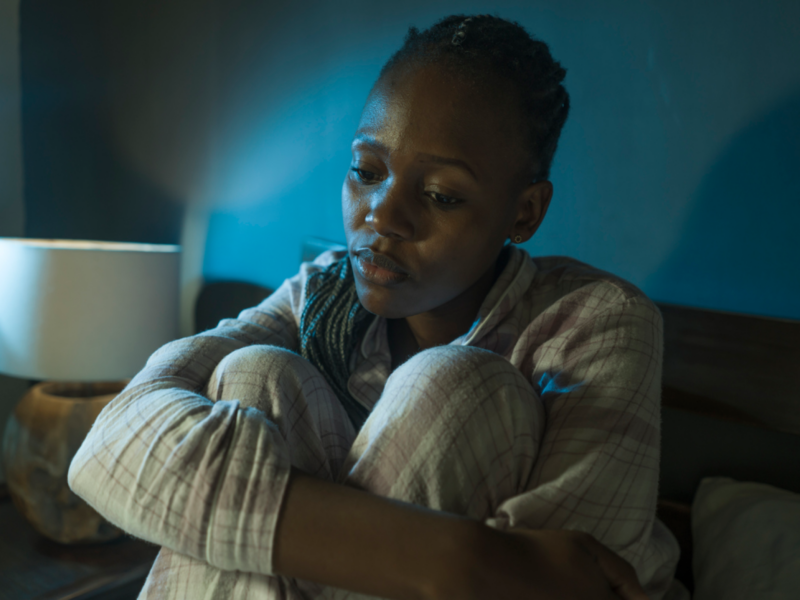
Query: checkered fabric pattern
x=545, y=414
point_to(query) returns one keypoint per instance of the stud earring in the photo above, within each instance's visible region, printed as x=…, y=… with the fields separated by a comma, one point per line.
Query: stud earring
x=517, y=239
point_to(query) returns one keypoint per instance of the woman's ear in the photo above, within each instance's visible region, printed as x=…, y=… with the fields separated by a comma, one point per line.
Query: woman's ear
x=532, y=205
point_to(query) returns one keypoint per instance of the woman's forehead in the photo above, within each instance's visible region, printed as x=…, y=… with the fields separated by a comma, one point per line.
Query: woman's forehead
x=428, y=110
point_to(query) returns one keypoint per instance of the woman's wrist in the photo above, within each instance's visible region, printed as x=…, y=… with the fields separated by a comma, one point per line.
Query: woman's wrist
x=457, y=560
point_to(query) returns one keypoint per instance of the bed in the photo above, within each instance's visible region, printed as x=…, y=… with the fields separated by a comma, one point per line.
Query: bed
x=731, y=411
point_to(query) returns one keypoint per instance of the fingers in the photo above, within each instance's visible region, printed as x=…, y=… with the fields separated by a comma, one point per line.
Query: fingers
x=592, y=570
x=620, y=574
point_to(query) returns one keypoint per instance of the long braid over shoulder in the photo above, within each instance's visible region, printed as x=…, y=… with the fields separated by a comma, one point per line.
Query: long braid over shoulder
x=480, y=48
x=331, y=325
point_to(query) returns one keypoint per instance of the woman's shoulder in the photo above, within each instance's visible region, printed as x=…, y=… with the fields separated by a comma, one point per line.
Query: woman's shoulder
x=572, y=283
x=570, y=273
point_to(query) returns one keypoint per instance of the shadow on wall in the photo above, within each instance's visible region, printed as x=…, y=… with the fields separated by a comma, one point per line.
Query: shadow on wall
x=78, y=183
x=739, y=248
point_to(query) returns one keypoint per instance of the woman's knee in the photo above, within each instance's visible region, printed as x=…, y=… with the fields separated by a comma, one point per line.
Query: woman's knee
x=294, y=395
x=440, y=360
x=257, y=357
x=456, y=429
x=465, y=375
x=451, y=389
x=248, y=371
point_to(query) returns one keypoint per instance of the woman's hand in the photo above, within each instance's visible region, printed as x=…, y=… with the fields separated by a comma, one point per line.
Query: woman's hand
x=546, y=564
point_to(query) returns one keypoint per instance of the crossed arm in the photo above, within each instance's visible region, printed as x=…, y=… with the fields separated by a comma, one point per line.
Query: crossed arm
x=204, y=479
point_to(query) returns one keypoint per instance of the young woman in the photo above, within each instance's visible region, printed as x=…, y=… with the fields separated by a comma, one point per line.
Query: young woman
x=432, y=414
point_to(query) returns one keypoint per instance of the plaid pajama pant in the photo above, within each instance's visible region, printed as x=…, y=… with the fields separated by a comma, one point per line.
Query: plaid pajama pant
x=456, y=429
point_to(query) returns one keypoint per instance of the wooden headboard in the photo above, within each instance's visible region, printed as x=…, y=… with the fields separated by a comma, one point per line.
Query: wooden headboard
x=730, y=407
x=732, y=366
x=730, y=402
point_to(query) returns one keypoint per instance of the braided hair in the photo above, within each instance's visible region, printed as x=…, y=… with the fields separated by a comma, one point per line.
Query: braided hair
x=332, y=322
x=483, y=48
x=480, y=49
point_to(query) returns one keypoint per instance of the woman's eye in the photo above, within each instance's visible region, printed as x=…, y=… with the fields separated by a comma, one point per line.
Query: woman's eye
x=365, y=176
x=442, y=199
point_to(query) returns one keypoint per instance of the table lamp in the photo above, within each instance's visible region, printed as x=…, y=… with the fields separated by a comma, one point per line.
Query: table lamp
x=83, y=316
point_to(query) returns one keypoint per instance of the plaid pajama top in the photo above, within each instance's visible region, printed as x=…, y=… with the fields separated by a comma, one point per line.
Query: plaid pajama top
x=167, y=465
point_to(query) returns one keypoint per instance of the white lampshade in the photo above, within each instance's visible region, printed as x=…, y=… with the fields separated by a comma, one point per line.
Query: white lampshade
x=84, y=311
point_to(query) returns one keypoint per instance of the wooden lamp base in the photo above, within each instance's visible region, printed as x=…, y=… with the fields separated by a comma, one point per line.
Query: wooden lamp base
x=43, y=434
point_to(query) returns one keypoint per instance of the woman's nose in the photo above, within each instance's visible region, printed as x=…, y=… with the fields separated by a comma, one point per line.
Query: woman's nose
x=390, y=213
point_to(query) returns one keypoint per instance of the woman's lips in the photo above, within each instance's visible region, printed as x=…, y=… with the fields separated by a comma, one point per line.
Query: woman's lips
x=378, y=268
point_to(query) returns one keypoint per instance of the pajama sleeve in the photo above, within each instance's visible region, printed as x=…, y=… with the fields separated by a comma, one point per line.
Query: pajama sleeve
x=599, y=379
x=167, y=465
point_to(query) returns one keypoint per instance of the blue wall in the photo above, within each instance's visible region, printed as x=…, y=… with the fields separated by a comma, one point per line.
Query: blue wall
x=676, y=170
x=11, y=200
x=78, y=185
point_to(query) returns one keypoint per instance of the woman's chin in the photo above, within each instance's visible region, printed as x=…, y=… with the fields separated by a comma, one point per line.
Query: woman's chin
x=383, y=303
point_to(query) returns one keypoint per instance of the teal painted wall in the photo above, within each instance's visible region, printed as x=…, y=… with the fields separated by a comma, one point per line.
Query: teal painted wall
x=676, y=169
x=11, y=200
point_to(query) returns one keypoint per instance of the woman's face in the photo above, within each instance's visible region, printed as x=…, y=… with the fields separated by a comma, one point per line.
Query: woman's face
x=438, y=182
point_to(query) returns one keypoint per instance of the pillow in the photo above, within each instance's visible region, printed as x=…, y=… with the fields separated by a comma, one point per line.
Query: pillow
x=746, y=541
